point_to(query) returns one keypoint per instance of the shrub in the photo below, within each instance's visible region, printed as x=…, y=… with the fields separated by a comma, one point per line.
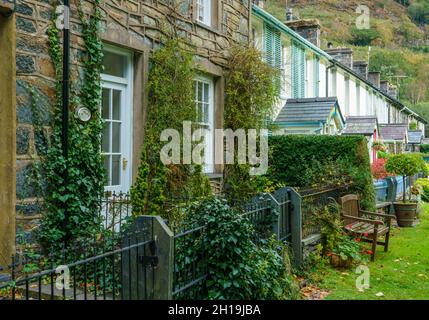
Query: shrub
x=405, y=165
x=170, y=97
x=424, y=184
x=363, y=37
x=251, y=93
x=424, y=148
x=334, y=240
x=299, y=161
x=378, y=169
x=237, y=267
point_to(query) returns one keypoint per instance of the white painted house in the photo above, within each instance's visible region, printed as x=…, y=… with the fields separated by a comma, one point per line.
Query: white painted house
x=306, y=71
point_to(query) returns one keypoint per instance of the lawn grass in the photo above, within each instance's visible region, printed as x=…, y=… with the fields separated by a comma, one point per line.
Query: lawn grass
x=400, y=274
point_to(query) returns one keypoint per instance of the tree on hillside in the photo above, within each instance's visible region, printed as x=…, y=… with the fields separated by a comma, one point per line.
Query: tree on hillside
x=419, y=12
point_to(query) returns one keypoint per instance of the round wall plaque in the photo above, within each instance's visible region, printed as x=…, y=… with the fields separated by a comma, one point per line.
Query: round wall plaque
x=83, y=114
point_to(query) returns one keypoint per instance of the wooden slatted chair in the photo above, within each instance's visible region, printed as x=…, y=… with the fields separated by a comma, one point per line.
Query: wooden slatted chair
x=368, y=225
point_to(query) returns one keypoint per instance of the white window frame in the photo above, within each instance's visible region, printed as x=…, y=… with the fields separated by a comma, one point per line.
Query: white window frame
x=124, y=84
x=205, y=6
x=209, y=149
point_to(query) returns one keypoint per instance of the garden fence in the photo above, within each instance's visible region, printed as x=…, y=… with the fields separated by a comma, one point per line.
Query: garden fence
x=142, y=259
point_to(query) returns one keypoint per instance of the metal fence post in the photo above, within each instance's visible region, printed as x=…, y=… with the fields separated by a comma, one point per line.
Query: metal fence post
x=164, y=239
x=275, y=211
x=296, y=226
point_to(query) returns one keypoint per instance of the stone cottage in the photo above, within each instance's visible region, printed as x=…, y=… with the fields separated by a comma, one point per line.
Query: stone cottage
x=131, y=30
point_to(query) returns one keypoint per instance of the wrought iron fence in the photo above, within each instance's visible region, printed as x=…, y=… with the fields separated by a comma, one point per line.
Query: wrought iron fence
x=269, y=215
x=106, y=271
x=107, y=266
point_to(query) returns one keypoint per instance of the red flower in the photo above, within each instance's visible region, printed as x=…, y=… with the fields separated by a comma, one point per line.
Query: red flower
x=366, y=234
x=369, y=252
x=378, y=170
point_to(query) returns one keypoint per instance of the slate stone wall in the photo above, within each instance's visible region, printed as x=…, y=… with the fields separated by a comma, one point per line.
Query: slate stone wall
x=143, y=22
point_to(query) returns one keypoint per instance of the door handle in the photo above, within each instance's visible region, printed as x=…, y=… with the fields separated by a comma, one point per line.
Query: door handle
x=124, y=163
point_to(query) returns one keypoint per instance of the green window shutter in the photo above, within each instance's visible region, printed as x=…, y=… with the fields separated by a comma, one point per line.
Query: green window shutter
x=268, y=44
x=316, y=62
x=298, y=71
x=273, y=49
x=294, y=73
x=301, y=73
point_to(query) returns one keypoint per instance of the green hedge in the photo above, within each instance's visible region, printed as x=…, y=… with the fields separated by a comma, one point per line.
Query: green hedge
x=424, y=148
x=305, y=161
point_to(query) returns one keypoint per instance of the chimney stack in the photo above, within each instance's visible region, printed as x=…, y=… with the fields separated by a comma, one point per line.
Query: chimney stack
x=393, y=92
x=289, y=15
x=306, y=28
x=361, y=68
x=259, y=3
x=342, y=55
x=374, y=78
x=384, y=86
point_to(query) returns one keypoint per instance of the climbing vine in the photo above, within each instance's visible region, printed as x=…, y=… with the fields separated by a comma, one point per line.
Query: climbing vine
x=251, y=94
x=171, y=102
x=238, y=266
x=81, y=193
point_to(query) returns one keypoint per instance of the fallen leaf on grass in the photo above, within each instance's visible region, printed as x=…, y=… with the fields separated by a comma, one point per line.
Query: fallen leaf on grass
x=314, y=293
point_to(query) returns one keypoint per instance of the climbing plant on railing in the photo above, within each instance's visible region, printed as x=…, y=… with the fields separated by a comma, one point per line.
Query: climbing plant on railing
x=170, y=103
x=80, y=195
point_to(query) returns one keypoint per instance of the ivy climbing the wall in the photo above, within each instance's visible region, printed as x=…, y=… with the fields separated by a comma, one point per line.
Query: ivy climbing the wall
x=81, y=193
x=251, y=95
x=170, y=103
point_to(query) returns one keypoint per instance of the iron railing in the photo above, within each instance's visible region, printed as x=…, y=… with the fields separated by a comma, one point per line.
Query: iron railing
x=106, y=271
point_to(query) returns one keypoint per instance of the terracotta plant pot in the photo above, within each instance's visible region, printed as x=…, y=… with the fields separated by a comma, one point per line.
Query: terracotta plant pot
x=405, y=213
x=337, y=262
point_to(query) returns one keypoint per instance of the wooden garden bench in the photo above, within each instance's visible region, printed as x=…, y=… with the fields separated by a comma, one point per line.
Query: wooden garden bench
x=367, y=225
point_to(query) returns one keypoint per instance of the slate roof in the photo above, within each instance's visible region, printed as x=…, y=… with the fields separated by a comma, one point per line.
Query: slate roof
x=415, y=136
x=397, y=131
x=364, y=125
x=307, y=110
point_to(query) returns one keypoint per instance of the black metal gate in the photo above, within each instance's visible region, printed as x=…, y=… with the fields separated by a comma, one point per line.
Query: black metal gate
x=113, y=268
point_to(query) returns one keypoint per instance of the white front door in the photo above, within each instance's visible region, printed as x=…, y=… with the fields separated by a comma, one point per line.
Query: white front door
x=116, y=110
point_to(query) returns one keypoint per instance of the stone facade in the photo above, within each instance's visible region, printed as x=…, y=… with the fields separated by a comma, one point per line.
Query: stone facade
x=135, y=25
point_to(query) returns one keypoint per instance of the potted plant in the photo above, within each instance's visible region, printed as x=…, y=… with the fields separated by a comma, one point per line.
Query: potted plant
x=344, y=252
x=405, y=165
x=379, y=146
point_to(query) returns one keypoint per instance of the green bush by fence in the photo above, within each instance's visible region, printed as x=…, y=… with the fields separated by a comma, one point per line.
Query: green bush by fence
x=424, y=148
x=318, y=161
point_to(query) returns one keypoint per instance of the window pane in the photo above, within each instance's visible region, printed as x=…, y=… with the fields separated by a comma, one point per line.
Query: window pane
x=116, y=170
x=116, y=105
x=206, y=113
x=200, y=91
x=116, y=137
x=206, y=92
x=200, y=116
x=107, y=169
x=106, y=137
x=114, y=64
x=105, y=103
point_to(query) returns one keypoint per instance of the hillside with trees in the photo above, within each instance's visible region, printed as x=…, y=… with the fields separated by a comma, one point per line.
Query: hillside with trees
x=397, y=42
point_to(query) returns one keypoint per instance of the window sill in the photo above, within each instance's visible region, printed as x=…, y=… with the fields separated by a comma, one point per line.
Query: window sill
x=214, y=175
x=207, y=27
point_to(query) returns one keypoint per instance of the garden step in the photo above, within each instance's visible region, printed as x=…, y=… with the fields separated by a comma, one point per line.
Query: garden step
x=45, y=293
